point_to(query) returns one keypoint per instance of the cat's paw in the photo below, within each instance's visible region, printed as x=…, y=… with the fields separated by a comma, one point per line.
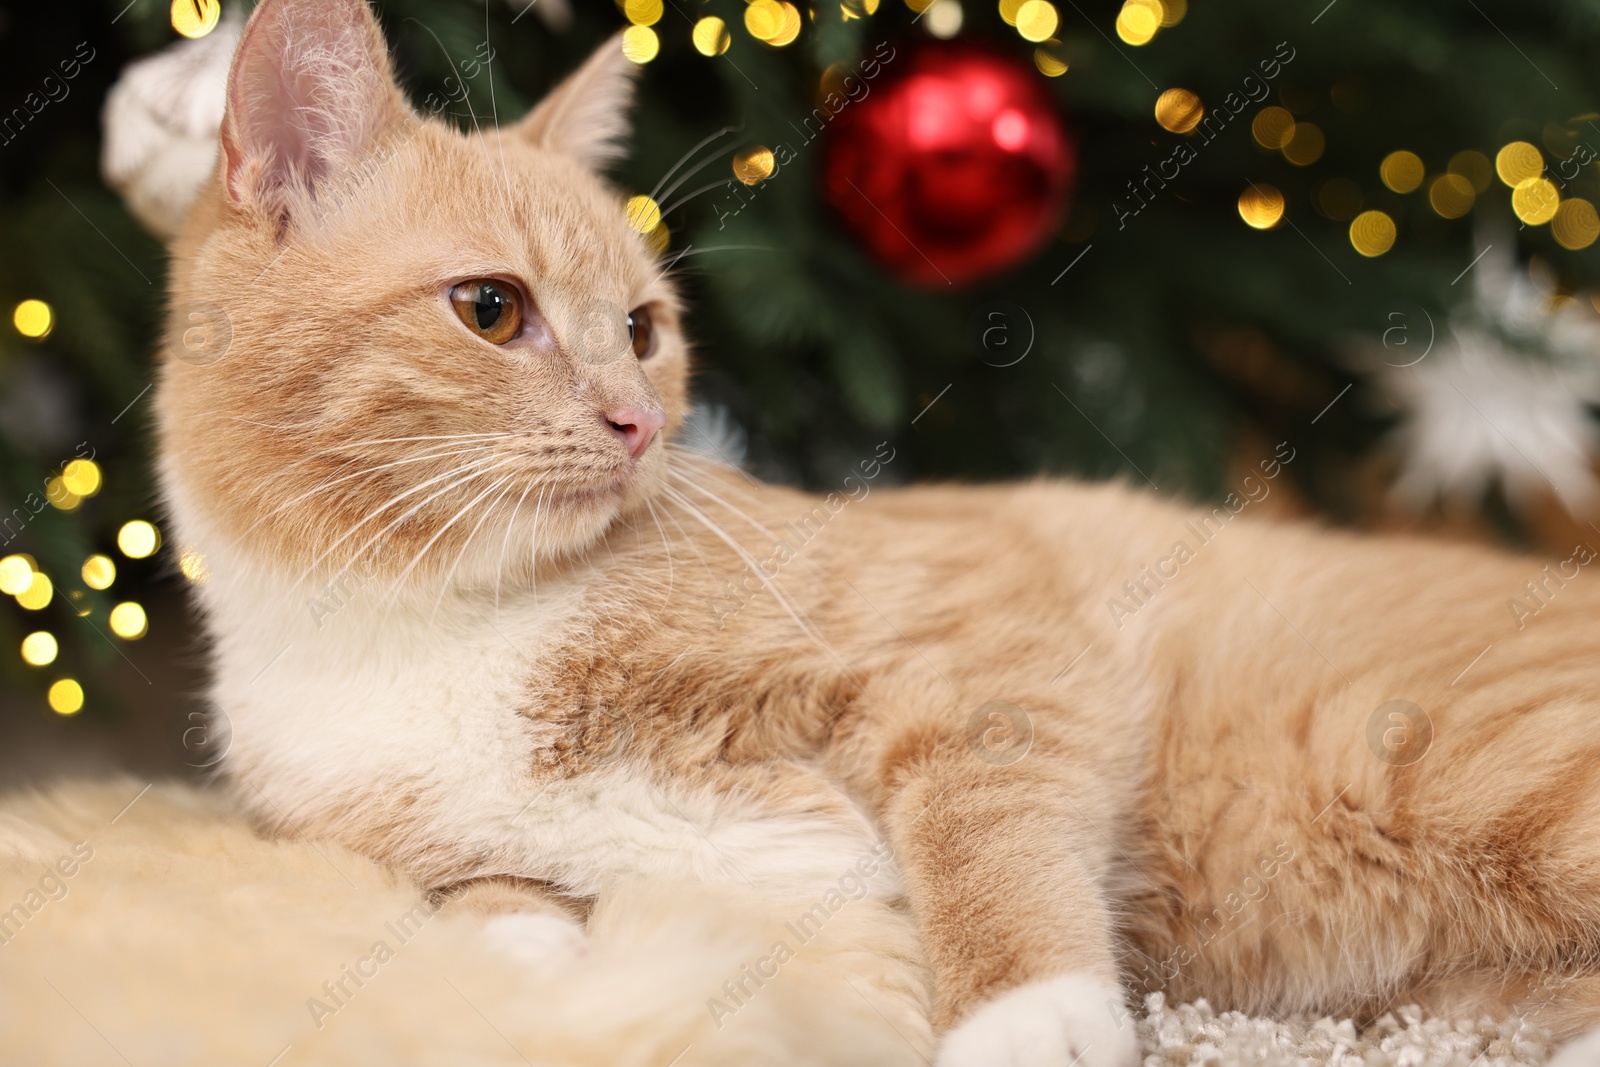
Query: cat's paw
x=535, y=937
x=1073, y=1019
x=1584, y=1052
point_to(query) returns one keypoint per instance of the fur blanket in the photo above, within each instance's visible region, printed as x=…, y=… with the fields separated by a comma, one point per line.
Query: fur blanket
x=146, y=924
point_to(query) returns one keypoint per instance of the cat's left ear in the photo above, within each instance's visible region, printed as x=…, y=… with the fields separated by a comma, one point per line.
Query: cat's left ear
x=586, y=116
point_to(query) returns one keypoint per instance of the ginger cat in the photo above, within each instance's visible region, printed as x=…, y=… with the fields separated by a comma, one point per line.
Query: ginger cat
x=478, y=616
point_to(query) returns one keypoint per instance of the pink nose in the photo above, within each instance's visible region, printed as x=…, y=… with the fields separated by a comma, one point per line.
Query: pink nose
x=635, y=427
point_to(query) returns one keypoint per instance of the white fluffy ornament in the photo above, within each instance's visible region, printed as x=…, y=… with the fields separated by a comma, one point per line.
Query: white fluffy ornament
x=1500, y=397
x=161, y=121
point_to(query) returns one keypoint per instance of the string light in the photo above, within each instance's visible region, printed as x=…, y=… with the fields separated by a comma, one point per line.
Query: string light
x=1452, y=195
x=1517, y=162
x=1402, y=171
x=1535, y=200
x=1261, y=206
x=16, y=573
x=61, y=498
x=1137, y=23
x=1179, y=110
x=66, y=697
x=1173, y=12
x=195, y=18
x=37, y=596
x=1037, y=20
x=640, y=44
x=1008, y=11
x=128, y=621
x=138, y=539
x=791, y=26
x=1473, y=166
x=99, y=572
x=33, y=318
x=711, y=37
x=763, y=19
x=644, y=214
x=1372, y=233
x=39, y=649
x=1576, y=224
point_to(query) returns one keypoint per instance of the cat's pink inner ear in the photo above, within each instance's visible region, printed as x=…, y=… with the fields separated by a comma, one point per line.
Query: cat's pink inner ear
x=310, y=92
x=586, y=116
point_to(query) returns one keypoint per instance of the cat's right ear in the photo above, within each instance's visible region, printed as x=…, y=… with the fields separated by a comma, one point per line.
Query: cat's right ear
x=309, y=94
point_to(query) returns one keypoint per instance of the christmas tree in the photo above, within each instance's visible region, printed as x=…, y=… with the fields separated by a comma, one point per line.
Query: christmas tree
x=1252, y=223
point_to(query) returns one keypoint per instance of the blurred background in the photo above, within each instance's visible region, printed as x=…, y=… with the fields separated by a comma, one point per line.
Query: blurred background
x=1152, y=239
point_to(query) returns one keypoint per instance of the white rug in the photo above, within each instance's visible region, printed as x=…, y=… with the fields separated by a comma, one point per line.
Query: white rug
x=1196, y=1035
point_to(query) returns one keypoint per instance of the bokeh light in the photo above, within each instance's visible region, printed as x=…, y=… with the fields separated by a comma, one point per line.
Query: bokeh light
x=1517, y=162
x=195, y=18
x=66, y=697
x=61, y=498
x=1372, y=233
x=640, y=44
x=39, y=649
x=82, y=477
x=1402, y=171
x=1306, y=144
x=138, y=539
x=1037, y=20
x=711, y=37
x=1261, y=206
x=642, y=12
x=754, y=165
x=1137, y=24
x=1179, y=110
x=1473, y=166
x=33, y=318
x=1272, y=127
x=1576, y=224
x=1452, y=195
x=99, y=572
x=128, y=621
x=15, y=574
x=1535, y=200
x=1047, y=61
x=38, y=594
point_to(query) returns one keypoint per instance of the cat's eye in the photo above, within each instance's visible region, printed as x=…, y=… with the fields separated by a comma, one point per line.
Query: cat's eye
x=642, y=332
x=490, y=309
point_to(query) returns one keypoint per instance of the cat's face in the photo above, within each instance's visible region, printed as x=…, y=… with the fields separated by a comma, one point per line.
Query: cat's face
x=444, y=351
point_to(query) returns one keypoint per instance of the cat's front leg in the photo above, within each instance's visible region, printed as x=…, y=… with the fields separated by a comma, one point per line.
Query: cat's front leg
x=523, y=919
x=1005, y=867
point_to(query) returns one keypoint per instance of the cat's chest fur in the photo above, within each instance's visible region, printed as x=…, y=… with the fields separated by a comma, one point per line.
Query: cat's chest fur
x=415, y=732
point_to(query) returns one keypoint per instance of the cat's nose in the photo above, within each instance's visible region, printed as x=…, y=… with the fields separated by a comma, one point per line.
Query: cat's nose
x=635, y=427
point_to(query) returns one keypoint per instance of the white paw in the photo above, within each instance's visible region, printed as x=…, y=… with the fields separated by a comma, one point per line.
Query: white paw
x=1074, y=1019
x=535, y=937
x=1584, y=1052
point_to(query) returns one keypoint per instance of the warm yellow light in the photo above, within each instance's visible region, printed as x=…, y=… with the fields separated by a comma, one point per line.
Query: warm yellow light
x=138, y=539
x=1137, y=25
x=193, y=565
x=1306, y=144
x=711, y=37
x=82, y=476
x=1179, y=110
x=1048, y=63
x=1372, y=233
x=1451, y=195
x=945, y=18
x=99, y=572
x=1008, y=11
x=1157, y=9
x=1261, y=206
x=128, y=621
x=1175, y=10
x=791, y=26
x=640, y=44
x=764, y=19
x=1517, y=162
x=195, y=18
x=644, y=214
x=16, y=572
x=1402, y=171
x=1272, y=127
x=1535, y=200
x=33, y=318
x=1037, y=20
x=754, y=165
x=1576, y=224
x=66, y=697
x=61, y=498
x=1473, y=166
x=37, y=596
x=642, y=12
x=39, y=649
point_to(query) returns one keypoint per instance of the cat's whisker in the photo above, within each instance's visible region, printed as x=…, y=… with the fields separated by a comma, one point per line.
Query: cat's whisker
x=470, y=465
x=444, y=587
x=665, y=178
x=692, y=171
x=687, y=197
x=686, y=253
x=533, y=546
x=398, y=585
x=684, y=480
x=505, y=542
x=672, y=580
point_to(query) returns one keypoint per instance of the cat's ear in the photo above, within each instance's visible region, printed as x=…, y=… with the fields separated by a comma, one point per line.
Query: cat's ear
x=586, y=116
x=309, y=94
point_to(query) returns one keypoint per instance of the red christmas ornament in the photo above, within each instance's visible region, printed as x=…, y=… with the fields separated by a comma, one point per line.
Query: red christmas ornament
x=956, y=167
